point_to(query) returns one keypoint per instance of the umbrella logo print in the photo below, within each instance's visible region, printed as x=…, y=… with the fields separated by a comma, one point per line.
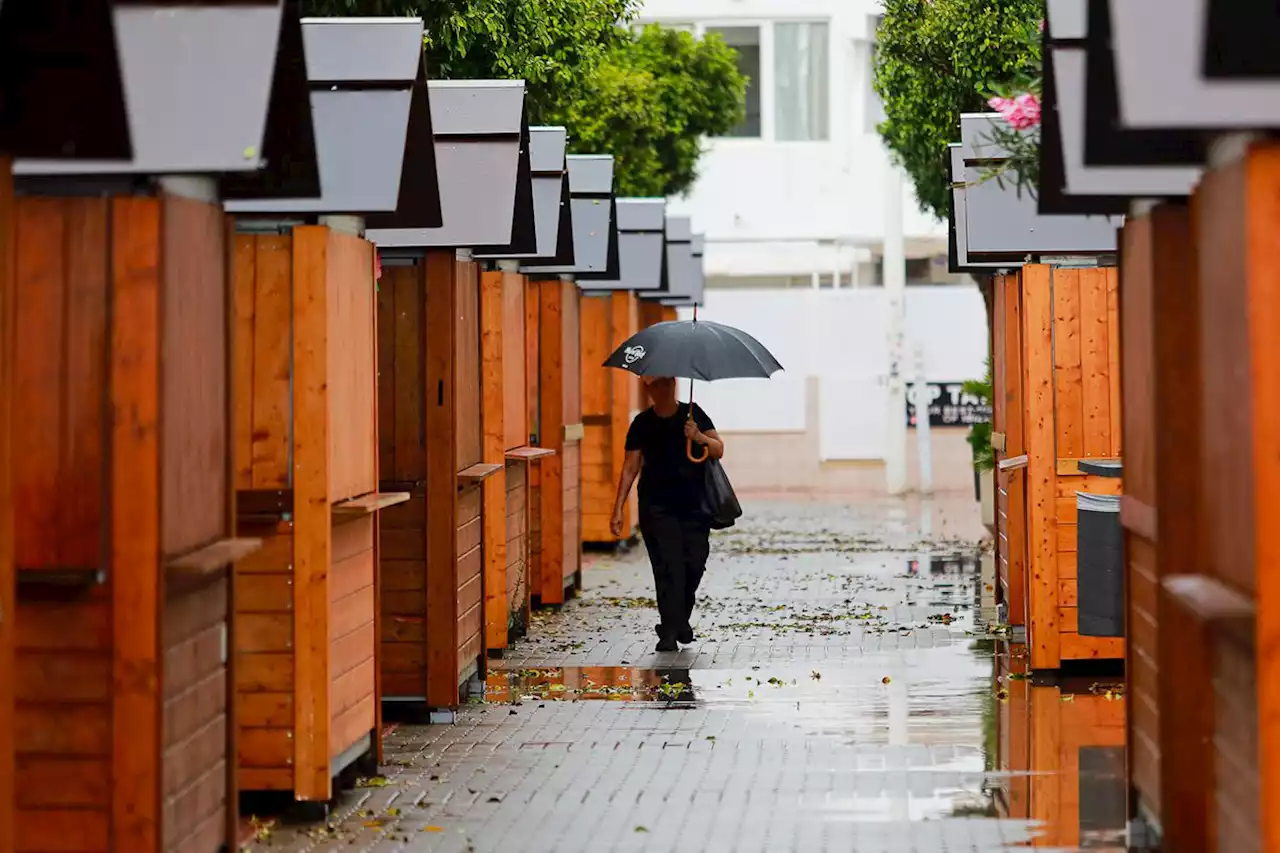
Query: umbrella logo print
x=633, y=354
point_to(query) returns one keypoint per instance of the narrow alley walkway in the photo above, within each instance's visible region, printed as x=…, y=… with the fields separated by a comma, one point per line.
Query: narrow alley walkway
x=841, y=696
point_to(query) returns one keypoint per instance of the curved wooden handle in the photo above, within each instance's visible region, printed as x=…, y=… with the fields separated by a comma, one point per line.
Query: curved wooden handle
x=688, y=451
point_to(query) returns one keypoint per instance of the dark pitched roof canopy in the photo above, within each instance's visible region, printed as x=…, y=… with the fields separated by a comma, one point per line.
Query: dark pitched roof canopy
x=197, y=82
x=481, y=154
x=548, y=171
x=641, y=240
x=61, y=93
x=362, y=74
x=595, y=235
x=1075, y=112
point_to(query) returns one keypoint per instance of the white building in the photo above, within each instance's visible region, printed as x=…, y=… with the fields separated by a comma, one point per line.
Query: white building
x=792, y=205
x=795, y=196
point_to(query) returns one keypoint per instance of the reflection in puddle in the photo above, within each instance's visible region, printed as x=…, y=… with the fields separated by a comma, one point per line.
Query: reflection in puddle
x=1060, y=753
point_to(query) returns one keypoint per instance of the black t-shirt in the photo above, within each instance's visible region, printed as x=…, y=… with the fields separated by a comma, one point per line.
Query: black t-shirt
x=667, y=478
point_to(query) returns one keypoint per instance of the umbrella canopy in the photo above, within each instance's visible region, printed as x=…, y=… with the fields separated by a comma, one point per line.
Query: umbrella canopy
x=694, y=349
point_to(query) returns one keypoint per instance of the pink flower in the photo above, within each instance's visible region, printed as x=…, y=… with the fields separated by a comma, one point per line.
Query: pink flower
x=377, y=267
x=1042, y=25
x=1022, y=112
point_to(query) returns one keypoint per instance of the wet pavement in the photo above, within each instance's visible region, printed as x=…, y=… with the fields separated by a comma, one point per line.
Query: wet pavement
x=848, y=691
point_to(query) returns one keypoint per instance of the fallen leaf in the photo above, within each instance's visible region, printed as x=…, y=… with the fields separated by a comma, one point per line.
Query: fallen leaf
x=432, y=829
x=885, y=680
x=642, y=829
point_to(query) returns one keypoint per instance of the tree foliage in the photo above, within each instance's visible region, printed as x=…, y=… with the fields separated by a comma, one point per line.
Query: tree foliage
x=936, y=59
x=648, y=98
x=651, y=102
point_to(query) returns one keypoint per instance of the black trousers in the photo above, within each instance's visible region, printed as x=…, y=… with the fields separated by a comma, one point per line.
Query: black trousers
x=678, y=547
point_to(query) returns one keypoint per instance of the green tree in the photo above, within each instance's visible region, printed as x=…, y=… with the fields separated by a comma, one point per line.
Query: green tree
x=936, y=59
x=651, y=102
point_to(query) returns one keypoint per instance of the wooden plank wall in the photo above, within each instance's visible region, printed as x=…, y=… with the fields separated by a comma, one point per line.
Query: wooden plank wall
x=8, y=602
x=571, y=463
x=609, y=397
x=1010, y=420
x=469, y=437
x=351, y=367
x=1234, y=217
x=517, y=572
x=402, y=459
x=306, y=421
x=63, y=690
x=533, y=400
x=120, y=689
x=195, y=511
x=598, y=479
x=559, y=486
x=1071, y=346
x=1143, y=566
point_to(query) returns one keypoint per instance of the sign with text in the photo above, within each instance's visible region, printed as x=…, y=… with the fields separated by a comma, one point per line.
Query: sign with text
x=949, y=406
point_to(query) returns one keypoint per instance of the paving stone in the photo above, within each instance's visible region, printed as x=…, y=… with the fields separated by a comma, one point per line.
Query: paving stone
x=827, y=757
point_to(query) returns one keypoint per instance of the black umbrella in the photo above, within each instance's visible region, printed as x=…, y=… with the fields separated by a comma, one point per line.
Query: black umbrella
x=694, y=349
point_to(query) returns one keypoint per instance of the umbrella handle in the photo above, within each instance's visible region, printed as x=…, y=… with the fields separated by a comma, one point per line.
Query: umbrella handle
x=688, y=442
x=688, y=451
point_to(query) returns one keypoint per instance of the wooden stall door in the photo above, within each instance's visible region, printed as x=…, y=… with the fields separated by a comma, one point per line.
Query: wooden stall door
x=1071, y=342
x=1010, y=415
x=402, y=462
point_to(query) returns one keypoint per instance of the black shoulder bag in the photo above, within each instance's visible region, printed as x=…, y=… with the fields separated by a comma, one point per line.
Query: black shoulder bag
x=719, y=504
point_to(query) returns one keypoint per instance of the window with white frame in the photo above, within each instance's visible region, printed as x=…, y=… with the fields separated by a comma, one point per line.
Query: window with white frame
x=746, y=41
x=874, y=107
x=788, y=69
x=801, y=64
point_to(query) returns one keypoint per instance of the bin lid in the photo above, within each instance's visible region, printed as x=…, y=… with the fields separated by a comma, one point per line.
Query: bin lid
x=1086, y=502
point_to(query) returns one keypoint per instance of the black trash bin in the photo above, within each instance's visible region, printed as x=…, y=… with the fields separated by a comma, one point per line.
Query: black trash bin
x=1100, y=571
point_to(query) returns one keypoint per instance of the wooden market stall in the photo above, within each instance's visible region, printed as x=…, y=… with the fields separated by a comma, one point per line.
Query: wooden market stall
x=558, y=488
x=306, y=427
x=611, y=313
x=505, y=404
x=1066, y=320
x=553, y=324
x=430, y=394
x=122, y=508
x=610, y=398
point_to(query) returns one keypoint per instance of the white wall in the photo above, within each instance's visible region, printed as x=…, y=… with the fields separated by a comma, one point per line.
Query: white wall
x=839, y=338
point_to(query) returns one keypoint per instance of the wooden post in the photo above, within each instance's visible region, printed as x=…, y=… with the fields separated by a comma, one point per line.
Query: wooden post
x=1010, y=424
x=493, y=416
x=561, y=427
x=8, y=603
x=1160, y=512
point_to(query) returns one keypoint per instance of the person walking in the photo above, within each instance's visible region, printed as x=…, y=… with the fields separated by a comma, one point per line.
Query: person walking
x=676, y=534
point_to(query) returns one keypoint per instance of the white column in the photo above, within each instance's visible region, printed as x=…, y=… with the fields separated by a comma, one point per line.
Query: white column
x=924, y=441
x=895, y=285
